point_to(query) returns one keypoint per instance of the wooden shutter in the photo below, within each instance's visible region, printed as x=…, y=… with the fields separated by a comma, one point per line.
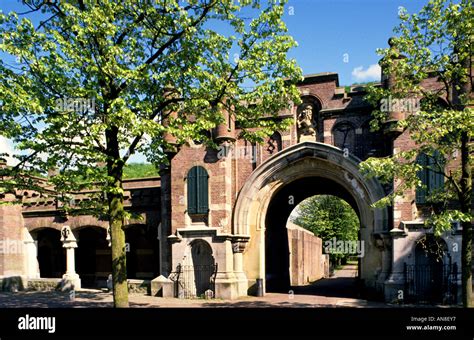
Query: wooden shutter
x=202, y=191
x=198, y=192
x=192, y=192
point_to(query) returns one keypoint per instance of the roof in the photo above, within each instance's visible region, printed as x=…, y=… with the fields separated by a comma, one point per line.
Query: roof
x=321, y=77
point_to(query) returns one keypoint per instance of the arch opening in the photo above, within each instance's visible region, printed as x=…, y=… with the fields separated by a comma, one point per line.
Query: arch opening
x=293, y=255
x=143, y=260
x=338, y=175
x=203, y=262
x=93, y=257
x=51, y=254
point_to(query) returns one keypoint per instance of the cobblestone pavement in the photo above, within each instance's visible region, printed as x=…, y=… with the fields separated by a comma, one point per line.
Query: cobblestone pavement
x=89, y=298
x=337, y=291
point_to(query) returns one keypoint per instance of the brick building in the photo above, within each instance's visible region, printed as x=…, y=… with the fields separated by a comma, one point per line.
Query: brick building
x=225, y=210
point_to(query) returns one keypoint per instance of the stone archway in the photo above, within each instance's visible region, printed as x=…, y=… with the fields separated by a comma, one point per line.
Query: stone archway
x=311, y=160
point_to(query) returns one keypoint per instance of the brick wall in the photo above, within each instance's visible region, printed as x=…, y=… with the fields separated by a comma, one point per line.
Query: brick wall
x=228, y=175
x=220, y=171
x=12, y=250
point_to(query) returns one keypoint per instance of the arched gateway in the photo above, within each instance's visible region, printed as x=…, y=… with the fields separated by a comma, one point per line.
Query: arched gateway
x=237, y=199
x=298, y=172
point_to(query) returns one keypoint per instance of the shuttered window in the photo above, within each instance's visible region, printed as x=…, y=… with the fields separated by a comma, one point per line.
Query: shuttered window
x=431, y=175
x=198, y=195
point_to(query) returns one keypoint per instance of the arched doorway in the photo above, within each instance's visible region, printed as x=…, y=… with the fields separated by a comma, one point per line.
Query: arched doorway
x=318, y=168
x=196, y=274
x=431, y=262
x=51, y=254
x=143, y=260
x=93, y=257
x=325, y=248
x=276, y=234
x=203, y=265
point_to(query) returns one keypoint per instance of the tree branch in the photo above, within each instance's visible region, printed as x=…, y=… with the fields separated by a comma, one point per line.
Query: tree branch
x=167, y=44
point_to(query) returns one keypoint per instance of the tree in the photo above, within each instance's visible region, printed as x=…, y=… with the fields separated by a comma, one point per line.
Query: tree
x=435, y=43
x=99, y=80
x=328, y=217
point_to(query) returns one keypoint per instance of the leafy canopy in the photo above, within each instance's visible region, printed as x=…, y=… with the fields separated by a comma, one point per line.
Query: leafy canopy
x=96, y=81
x=437, y=44
x=328, y=217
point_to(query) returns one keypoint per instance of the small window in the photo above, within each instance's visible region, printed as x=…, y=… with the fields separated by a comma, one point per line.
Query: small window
x=198, y=192
x=343, y=135
x=431, y=175
x=274, y=143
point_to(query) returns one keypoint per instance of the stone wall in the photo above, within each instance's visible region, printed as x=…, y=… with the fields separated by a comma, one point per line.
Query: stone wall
x=306, y=258
x=44, y=284
x=139, y=286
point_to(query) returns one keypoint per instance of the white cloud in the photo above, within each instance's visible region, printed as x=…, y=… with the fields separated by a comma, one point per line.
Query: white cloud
x=372, y=73
x=6, y=146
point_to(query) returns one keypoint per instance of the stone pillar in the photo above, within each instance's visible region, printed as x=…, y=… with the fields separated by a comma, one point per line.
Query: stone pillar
x=383, y=242
x=107, y=238
x=225, y=283
x=71, y=279
x=31, y=259
x=261, y=284
x=242, y=283
x=109, y=244
x=395, y=282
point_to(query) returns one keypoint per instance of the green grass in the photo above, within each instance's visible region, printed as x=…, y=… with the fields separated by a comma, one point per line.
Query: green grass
x=139, y=170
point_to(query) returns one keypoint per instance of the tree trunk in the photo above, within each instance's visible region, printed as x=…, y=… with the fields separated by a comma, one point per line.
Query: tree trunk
x=116, y=219
x=466, y=251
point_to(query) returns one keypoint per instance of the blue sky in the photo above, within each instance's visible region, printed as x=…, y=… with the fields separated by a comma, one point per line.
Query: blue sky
x=328, y=29
x=333, y=36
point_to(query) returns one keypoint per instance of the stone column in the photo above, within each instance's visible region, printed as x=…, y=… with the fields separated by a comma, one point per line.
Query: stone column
x=31, y=260
x=110, y=283
x=107, y=238
x=396, y=279
x=261, y=284
x=383, y=242
x=242, y=283
x=71, y=280
x=225, y=282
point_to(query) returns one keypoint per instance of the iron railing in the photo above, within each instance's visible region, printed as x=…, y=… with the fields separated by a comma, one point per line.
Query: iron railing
x=431, y=283
x=194, y=281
